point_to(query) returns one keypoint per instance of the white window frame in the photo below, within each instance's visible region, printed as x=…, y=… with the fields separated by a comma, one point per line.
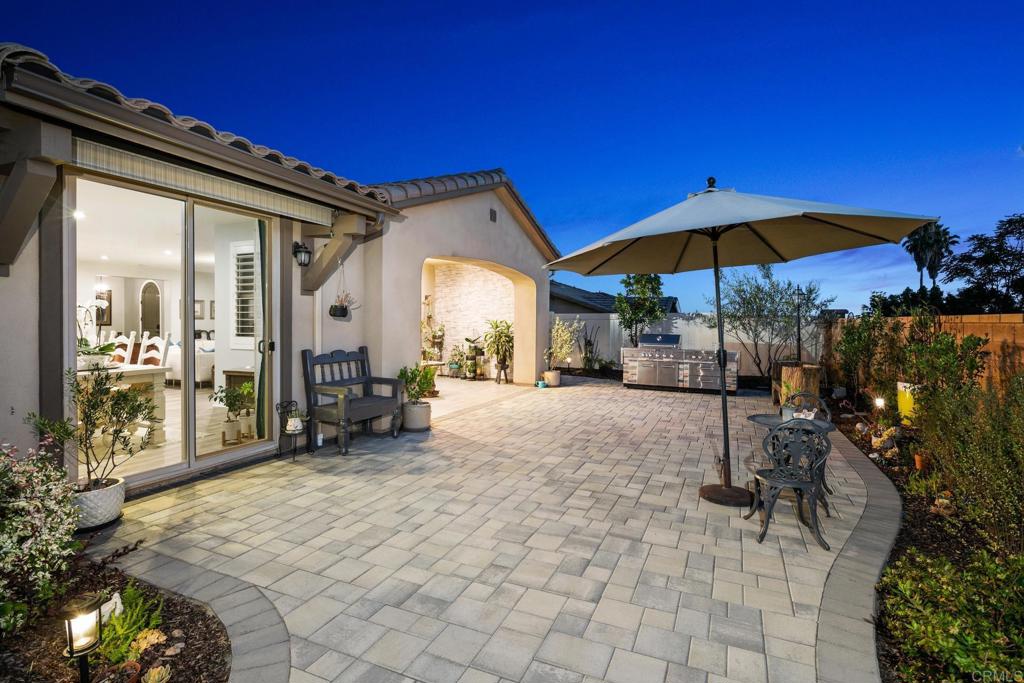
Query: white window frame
x=238, y=342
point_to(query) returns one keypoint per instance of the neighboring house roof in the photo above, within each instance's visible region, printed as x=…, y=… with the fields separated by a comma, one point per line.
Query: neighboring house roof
x=599, y=302
x=13, y=56
x=405, y=193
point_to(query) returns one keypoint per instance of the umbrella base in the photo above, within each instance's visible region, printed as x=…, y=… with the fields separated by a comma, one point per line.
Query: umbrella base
x=733, y=496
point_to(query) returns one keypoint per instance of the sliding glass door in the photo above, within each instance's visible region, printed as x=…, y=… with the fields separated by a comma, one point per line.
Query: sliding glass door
x=229, y=310
x=179, y=291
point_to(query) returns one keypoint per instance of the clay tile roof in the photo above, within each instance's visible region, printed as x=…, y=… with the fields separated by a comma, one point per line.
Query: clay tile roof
x=424, y=189
x=600, y=302
x=13, y=55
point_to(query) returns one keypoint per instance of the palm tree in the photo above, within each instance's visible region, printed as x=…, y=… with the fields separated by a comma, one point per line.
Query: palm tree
x=940, y=247
x=917, y=245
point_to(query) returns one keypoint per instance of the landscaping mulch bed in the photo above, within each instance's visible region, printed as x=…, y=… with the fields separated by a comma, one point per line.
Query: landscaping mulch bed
x=930, y=533
x=35, y=654
x=606, y=373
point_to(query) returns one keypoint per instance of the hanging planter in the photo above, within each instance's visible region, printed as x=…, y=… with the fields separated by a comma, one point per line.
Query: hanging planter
x=344, y=301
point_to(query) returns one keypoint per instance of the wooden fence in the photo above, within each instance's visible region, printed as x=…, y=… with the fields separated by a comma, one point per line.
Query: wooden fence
x=1004, y=331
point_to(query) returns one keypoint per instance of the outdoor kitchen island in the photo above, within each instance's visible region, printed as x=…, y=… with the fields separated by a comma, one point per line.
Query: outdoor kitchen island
x=658, y=361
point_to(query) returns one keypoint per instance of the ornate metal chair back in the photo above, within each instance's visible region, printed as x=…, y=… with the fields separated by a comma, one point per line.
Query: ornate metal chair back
x=800, y=444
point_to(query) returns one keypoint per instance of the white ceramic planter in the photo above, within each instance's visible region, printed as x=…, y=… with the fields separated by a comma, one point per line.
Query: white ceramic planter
x=86, y=362
x=416, y=417
x=100, y=506
x=232, y=428
x=553, y=377
x=247, y=424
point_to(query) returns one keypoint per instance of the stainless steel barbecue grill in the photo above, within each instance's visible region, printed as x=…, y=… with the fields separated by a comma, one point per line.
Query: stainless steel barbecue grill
x=657, y=361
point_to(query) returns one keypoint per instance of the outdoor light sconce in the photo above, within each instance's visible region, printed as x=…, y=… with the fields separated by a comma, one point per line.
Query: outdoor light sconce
x=83, y=625
x=302, y=254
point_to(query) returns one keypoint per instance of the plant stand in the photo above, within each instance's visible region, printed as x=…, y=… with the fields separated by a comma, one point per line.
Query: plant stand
x=798, y=379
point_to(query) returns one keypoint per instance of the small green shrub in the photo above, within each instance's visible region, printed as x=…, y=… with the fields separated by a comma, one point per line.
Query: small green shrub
x=419, y=381
x=951, y=624
x=119, y=633
x=37, y=523
x=975, y=438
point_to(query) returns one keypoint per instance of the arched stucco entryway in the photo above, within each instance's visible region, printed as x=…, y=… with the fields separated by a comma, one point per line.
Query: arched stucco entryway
x=464, y=293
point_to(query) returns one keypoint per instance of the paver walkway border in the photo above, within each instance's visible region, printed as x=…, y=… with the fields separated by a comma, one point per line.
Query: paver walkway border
x=260, y=644
x=848, y=605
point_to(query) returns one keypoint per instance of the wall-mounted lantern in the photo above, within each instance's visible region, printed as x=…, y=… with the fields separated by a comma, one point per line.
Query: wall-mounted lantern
x=302, y=254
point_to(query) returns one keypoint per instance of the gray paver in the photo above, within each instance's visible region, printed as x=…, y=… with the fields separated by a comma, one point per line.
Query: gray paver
x=577, y=547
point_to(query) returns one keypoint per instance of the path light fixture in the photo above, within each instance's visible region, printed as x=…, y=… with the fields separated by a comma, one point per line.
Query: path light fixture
x=302, y=254
x=880, y=402
x=83, y=626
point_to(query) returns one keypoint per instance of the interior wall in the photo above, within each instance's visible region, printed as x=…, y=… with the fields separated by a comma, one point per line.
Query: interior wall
x=88, y=277
x=19, y=371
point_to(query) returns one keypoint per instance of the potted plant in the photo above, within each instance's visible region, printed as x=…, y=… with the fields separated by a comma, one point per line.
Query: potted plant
x=109, y=415
x=295, y=422
x=456, y=358
x=234, y=400
x=418, y=382
x=90, y=356
x=343, y=303
x=246, y=420
x=469, y=368
x=499, y=343
x=563, y=340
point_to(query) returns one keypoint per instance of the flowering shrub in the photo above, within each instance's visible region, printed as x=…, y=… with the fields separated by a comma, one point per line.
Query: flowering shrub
x=952, y=623
x=37, y=523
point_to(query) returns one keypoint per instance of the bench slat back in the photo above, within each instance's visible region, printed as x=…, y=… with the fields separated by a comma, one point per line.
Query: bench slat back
x=338, y=368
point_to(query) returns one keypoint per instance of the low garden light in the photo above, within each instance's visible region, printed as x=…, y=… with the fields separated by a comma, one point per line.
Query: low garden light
x=302, y=254
x=879, y=402
x=83, y=627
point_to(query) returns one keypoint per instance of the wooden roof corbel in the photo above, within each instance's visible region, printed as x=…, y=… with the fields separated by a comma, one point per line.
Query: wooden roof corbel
x=30, y=152
x=342, y=240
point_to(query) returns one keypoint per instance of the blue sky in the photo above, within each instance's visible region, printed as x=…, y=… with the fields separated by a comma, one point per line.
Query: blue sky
x=602, y=113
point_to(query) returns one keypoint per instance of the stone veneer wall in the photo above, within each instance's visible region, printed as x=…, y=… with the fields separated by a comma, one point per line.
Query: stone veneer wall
x=466, y=297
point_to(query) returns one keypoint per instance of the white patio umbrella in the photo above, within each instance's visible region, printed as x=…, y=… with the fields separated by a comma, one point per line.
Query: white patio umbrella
x=715, y=228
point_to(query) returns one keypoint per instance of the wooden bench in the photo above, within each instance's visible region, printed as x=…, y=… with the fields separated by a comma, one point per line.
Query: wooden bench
x=341, y=390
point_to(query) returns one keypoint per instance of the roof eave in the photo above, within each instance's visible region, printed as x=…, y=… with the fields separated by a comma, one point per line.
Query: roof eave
x=43, y=96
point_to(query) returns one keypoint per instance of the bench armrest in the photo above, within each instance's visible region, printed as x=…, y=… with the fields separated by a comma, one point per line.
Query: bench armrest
x=396, y=385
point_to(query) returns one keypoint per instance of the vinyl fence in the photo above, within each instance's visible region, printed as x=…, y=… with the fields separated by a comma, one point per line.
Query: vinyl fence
x=693, y=334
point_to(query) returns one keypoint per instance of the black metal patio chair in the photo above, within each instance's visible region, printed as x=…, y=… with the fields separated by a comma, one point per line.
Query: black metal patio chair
x=797, y=450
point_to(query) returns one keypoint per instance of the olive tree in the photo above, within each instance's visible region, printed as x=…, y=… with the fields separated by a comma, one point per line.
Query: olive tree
x=759, y=310
x=639, y=305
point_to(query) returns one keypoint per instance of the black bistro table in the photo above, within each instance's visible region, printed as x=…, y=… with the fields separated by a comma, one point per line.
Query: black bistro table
x=772, y=420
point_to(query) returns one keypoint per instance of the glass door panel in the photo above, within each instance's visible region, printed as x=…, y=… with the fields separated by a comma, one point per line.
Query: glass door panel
x=128, y=289
x=229, y=310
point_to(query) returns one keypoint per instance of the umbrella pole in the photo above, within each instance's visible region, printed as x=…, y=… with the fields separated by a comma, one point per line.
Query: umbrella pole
x=724, y=493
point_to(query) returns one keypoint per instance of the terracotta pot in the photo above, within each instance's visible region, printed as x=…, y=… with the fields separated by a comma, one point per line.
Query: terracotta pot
x=920, y=461
x=553, y=377
x=416, y=416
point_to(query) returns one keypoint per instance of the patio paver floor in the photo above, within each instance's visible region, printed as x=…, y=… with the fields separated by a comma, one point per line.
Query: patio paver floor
x=554, y=536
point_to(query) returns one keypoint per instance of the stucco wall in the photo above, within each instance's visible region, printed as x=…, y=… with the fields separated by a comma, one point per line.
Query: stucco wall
x=19, y=347
x=465, y=297
x=453, y=229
